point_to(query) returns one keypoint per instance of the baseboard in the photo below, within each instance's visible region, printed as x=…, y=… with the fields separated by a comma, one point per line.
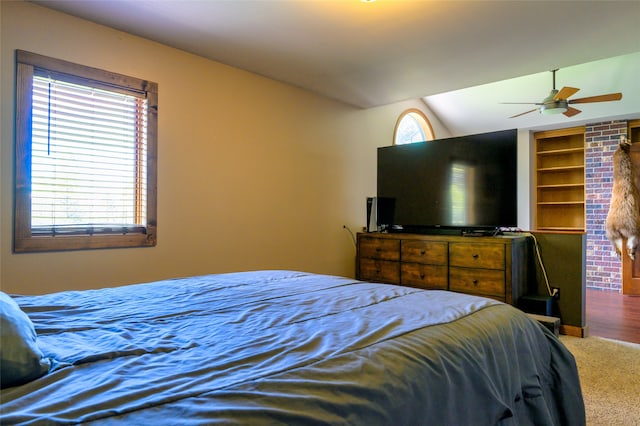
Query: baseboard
x=575, y=331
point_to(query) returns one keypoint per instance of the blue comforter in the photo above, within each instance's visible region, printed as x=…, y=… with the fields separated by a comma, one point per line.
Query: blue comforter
x=282, y=347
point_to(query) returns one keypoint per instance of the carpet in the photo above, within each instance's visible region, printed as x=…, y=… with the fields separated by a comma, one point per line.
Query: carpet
x=609, y=373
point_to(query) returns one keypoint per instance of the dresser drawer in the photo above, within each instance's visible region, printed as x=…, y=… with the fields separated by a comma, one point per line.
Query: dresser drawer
x=379, y=248
x=428, y=252
x=485, y=282
x=477, y=255
x=379, y=270
x=424, y=276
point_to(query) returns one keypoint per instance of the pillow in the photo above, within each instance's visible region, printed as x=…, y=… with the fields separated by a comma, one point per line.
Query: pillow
x=20, y=358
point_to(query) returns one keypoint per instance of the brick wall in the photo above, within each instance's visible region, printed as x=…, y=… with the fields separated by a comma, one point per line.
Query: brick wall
x=603, y=269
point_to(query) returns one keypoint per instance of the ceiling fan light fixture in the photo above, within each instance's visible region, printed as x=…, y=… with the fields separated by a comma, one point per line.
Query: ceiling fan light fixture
x=555, y=107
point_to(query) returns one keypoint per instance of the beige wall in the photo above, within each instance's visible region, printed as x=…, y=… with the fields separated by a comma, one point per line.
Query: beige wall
x=253, y=173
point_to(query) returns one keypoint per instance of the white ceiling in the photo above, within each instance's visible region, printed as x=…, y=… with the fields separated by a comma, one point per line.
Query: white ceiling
x=463, y=57
x=480, y=109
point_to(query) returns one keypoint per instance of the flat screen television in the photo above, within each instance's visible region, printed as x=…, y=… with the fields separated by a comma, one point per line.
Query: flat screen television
x=454, y=185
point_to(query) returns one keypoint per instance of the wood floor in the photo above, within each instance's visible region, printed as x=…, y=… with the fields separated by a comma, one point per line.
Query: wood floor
x=613, y=315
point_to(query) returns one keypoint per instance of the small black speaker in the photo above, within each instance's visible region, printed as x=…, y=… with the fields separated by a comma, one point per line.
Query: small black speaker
x=372, y=210
x=535, y=304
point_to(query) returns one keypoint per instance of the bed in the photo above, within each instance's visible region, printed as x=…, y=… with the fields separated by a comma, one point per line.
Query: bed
x=286, y=347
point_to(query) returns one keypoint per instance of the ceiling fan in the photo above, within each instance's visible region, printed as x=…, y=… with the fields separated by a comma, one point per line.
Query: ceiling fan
x=558, y=103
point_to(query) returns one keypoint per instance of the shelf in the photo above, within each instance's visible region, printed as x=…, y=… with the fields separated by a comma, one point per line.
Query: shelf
x=561, y=185
x=561, y=151
x=560, y=228
x=559, y=134
x=561, y=168
x=558, y=203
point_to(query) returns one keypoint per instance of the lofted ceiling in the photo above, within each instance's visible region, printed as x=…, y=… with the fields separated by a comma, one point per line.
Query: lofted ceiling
x=462, y=57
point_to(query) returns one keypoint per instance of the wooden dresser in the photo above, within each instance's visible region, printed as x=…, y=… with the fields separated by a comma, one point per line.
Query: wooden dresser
x=495, y=267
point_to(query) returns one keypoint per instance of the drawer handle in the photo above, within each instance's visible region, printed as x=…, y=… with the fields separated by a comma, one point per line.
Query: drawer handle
x=422, y=253
x=422, y=276
x=475, y=282
x=475, y=255
x=378, y=249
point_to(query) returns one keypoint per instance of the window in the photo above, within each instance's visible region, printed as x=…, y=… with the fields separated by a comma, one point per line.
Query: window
x=412, y=126
x=86, y=144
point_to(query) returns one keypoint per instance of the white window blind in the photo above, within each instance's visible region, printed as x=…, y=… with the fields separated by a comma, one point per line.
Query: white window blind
x=88, y=170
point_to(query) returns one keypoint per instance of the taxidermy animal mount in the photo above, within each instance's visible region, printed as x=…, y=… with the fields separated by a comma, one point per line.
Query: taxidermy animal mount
x=623, y=220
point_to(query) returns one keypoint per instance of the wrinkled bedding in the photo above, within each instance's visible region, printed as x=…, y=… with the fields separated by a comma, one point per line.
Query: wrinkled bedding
x=284, y=347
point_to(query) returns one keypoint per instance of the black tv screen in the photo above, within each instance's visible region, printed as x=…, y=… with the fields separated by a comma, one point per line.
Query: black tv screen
x=467, y=182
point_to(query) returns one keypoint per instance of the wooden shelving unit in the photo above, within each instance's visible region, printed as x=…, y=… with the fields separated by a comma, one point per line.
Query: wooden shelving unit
x=634, y=131
x=560, y=180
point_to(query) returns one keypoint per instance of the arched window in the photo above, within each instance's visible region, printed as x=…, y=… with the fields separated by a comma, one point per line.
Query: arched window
x=412, y=126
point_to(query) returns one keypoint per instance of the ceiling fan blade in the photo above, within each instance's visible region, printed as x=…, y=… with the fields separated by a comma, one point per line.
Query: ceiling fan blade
x=601, y=98
x=521, y=103
x=523, y=113
x=565, y=92
x=571, y=112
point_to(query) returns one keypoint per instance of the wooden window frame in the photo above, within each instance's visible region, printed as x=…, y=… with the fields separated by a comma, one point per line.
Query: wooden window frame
x=24, y=240
x=428, y=130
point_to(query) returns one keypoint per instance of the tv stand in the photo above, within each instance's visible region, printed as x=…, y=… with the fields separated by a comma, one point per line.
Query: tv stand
x=494, y=266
